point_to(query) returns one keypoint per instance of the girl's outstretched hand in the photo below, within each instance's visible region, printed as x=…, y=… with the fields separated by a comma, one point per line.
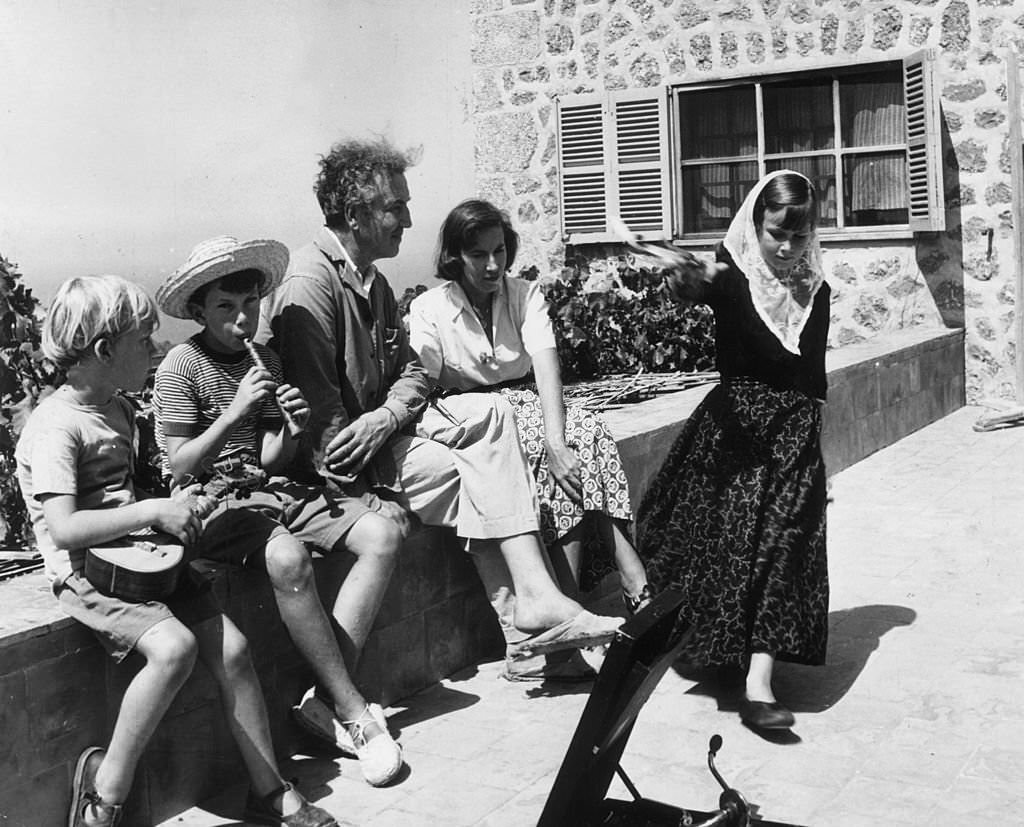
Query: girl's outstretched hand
x=685, y=280
x=684, y=273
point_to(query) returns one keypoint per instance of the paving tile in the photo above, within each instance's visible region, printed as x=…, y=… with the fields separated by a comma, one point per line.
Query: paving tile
x=887, y=801
x=976, y=801
x=1002, y=766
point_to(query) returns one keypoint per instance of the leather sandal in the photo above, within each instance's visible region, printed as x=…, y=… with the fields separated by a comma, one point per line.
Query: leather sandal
x=637, y=602
x=260, y=809
x=84, y=796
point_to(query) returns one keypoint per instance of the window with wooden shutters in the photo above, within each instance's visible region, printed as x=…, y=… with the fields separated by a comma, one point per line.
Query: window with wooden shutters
x=867, y=135
x=614, y=163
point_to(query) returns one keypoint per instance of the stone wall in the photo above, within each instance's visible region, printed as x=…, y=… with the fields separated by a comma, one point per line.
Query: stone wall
x=526, y=53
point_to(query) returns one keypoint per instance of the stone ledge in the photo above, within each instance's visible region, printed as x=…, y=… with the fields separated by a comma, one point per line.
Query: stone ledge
x=435, y=619
x=879, y=391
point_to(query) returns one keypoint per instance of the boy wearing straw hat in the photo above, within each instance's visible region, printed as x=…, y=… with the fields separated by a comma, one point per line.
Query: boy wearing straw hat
x=220, y=397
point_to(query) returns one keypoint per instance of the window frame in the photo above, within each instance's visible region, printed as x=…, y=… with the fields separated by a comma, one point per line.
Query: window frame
x=926, y=207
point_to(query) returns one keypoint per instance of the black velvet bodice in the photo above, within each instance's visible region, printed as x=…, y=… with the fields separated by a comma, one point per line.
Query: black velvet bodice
x=745, y=347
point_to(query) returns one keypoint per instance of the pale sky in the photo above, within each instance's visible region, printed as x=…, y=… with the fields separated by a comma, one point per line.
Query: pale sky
x=130, y=131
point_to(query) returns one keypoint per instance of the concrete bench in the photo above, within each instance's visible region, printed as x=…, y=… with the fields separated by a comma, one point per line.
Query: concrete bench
x=59, y=693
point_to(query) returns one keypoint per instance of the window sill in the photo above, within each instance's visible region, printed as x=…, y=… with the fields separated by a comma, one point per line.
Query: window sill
x=826, y=237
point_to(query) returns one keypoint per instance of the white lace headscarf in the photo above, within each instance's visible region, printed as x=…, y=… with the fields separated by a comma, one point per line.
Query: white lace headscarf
x=782, y=300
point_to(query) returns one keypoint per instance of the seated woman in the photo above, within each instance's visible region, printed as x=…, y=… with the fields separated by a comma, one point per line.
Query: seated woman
x=481, y=331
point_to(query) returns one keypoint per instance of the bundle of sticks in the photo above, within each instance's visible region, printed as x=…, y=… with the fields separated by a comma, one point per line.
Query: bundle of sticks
x=614, y=391
x=14, y=562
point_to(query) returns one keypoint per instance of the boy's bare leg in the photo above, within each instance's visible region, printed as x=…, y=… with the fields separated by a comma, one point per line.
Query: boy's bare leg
x=170, y=652
x=380, y=758
x=225, y=652
x=291, y=574
x=374, y=540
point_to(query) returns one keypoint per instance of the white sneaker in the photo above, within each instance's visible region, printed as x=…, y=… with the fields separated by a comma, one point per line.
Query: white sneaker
x=380, y=758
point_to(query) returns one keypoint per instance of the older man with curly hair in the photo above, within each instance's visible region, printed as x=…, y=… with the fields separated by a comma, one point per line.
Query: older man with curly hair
x=377, y=428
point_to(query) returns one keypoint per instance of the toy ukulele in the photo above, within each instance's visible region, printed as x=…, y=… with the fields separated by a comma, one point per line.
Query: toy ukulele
x=147, y=564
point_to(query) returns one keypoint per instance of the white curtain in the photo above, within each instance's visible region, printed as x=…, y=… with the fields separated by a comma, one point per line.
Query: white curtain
x=873, y=115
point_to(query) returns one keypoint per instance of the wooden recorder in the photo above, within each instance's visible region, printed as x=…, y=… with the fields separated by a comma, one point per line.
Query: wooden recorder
x=293, y=427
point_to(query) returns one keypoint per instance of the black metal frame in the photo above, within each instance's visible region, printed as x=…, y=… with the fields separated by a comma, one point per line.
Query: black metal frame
x=642, y=652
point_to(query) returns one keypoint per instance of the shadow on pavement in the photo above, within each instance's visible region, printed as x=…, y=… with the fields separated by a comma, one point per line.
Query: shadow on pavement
x=553, y=689
x=853, y=635
x=430, y=703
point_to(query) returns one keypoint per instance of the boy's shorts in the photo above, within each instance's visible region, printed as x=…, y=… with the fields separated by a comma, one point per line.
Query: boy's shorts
x=239, y=529
x=119, y=624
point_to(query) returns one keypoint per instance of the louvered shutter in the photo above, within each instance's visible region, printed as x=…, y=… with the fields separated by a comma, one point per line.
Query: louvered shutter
x=640, y=124
x=613, y=160
x=924, y=156
x=582, y=155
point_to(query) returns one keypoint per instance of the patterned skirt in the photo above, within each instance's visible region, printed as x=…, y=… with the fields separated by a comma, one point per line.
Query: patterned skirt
x=735, y=521
x=605, y=488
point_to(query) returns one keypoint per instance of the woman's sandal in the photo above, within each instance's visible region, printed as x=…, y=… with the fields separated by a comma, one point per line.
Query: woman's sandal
x=637, y=602
x=260, y=809
x=584, y=630
x=380, y=757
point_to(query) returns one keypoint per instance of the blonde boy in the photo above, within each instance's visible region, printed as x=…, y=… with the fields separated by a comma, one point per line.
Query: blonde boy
x=74, y=468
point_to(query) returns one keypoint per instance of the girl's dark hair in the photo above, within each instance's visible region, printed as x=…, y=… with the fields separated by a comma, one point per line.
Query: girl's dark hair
x=237, y=283
x=461, y=229
x=793, y=193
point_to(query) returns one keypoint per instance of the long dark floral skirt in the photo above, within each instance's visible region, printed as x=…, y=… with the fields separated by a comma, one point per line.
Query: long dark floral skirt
x=735, y=521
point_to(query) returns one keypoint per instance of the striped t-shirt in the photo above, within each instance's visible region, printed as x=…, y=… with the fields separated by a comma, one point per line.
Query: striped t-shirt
x=195, y=385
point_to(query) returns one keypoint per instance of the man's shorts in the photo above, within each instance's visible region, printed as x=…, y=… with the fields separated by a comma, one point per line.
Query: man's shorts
x=239, y=529
x=119, y=624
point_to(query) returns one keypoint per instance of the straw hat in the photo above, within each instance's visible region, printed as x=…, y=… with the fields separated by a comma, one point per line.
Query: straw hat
x=217, y=257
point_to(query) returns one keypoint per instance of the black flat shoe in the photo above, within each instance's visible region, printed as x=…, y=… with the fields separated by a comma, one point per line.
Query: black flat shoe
x=765, y=715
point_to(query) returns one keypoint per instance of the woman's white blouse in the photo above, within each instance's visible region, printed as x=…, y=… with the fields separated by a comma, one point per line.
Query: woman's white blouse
x=452, y=345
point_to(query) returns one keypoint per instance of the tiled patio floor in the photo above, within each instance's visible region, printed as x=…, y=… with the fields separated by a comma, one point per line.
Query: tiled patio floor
x=918, y=717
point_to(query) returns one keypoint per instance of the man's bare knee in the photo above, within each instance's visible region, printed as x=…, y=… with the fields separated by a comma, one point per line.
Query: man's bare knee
x=374, y=535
